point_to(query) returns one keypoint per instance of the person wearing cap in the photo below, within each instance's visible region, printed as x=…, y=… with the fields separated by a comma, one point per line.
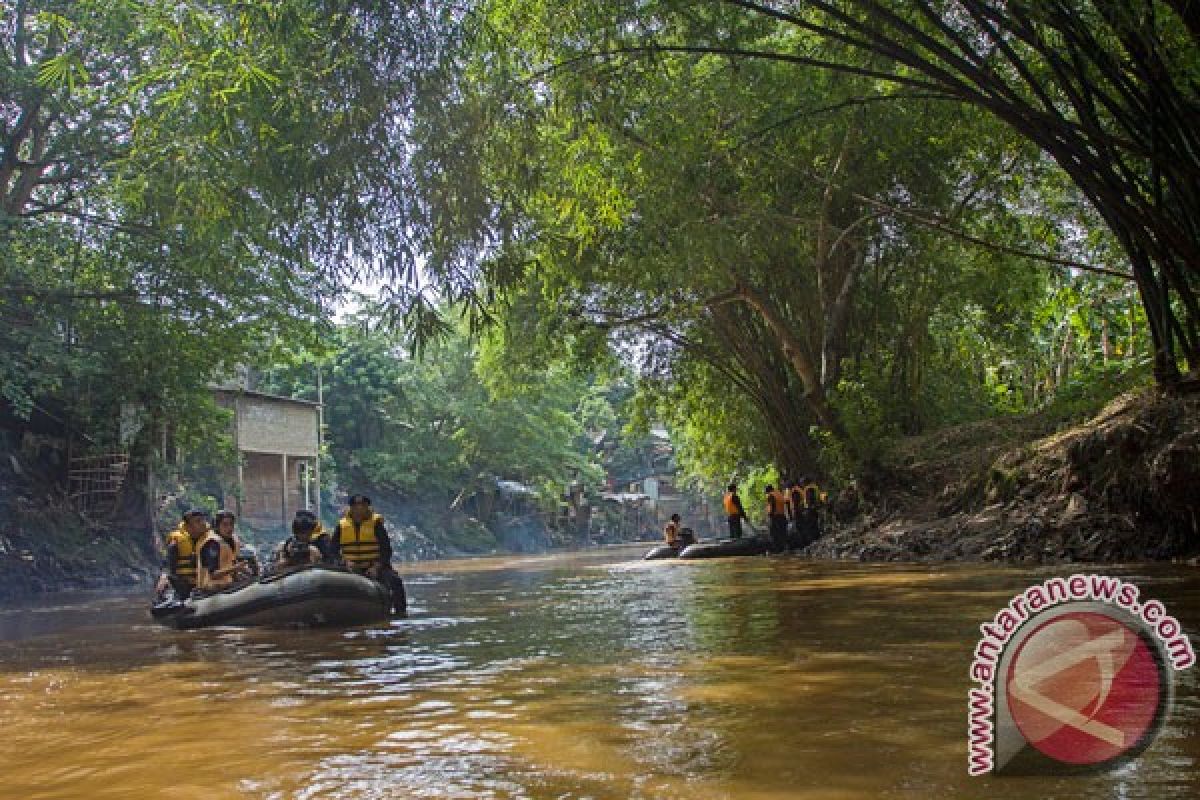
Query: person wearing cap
x=298, y=550
x=217, y=565
x=361, y=542
x=734, y=512
x=182, y=545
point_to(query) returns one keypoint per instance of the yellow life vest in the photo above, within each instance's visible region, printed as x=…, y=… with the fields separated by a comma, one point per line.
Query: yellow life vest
x=730, y=507
x=359, y=545
x=780, y=504
x=671, y=532
x=207, y=581
x=185, y=553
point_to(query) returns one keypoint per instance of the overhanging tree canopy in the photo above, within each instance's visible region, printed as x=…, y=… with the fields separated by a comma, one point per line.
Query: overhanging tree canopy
x=1108, y=90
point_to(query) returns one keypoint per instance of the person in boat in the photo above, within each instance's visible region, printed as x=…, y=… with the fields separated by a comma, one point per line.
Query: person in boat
x=217, y=563
x=360, y=541
x=734, y=511
x=318, y=536
x=671, y=532
x=179, y=568
x=777, y=520
x=321, y=539
x=301, y=548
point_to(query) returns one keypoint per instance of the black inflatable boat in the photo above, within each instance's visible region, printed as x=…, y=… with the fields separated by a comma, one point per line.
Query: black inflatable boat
x=309, y=596
x=662, y=551
x=749, y=546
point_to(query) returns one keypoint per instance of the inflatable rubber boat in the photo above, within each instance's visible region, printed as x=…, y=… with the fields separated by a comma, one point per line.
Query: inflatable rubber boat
x=309, y=596
x=749, y=546
x=662, y=551
x=687, y=538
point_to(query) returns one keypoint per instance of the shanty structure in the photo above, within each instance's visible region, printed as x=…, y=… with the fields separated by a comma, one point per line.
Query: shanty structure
x=278, y=440
x=94, y=482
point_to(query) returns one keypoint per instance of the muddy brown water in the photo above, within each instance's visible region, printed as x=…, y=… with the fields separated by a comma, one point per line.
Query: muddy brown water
x=568, y=676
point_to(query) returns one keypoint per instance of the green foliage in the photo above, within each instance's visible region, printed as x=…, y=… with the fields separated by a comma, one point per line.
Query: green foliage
x=753, y=490
x=183, y=185
x=445, y=426
x=797, y=264
x=637, y=193
x=1091, y=390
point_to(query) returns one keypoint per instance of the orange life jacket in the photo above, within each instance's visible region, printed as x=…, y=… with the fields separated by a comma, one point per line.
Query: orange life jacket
x=777, y=508
x=731, y=507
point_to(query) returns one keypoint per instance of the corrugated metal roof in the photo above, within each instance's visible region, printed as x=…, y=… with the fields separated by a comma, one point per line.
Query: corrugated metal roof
x=279, y=397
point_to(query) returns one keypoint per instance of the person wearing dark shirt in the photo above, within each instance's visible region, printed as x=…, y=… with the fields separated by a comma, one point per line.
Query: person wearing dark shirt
x=799, y=533
x=361, y=542
x=300, y=549
x=809, y=517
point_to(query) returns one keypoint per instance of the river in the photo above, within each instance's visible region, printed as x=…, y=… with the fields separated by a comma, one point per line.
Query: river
x=588, y=675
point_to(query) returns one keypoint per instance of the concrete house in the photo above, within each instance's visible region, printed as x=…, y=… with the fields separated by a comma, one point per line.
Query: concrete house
x=278, y=440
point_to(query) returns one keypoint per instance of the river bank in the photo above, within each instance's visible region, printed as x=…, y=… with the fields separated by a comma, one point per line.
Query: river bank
x=1123, y=486
x=53, y=550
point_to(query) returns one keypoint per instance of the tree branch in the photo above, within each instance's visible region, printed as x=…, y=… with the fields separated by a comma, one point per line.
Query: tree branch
x=66, y=295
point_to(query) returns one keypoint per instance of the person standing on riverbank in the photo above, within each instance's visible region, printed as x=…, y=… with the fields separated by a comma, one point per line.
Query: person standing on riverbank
x=777, y=519
x=795, y=495
x=808, y=519
x=734, y=512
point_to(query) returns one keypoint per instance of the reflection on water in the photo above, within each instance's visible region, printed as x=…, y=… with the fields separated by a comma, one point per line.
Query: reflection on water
x=552, y=677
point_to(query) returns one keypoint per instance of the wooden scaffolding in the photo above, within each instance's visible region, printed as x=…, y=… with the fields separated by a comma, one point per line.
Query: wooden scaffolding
x=94, y=482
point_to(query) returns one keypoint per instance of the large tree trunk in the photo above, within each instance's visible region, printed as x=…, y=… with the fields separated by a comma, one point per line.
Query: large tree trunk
x=796, y=355
x=1099, y=91
x=760, y=375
